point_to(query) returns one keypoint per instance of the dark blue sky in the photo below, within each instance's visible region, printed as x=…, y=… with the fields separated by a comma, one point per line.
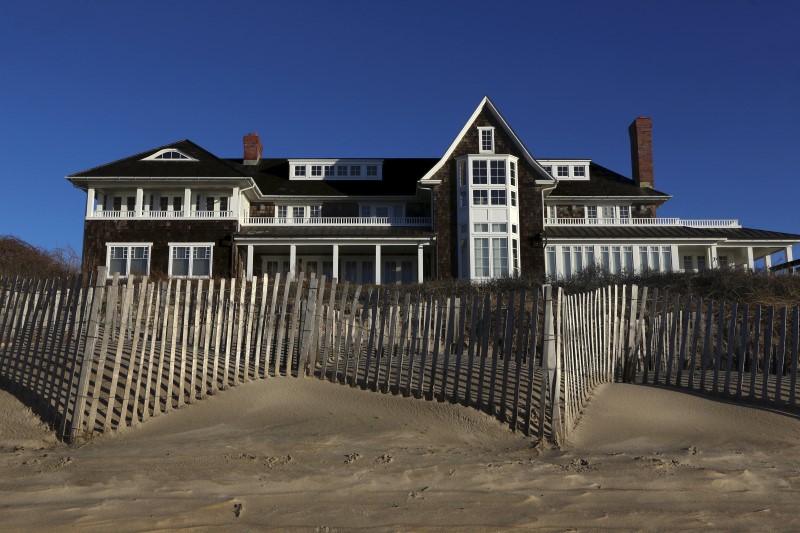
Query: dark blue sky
x=84, y=83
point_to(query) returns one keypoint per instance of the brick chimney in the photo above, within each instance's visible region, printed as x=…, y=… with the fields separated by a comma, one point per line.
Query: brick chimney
x=252, y=149
x=641, y=132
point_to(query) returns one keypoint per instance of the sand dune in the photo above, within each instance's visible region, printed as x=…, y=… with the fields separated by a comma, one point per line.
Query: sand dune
x=305, y=455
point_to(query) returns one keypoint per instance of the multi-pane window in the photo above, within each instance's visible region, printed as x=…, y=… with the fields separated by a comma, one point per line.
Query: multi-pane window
x=513, y=198
x=481, y=257
x=608, y=211
x=590, y=255
x=552, y=211
x=644, y=264
x=372, y=170
x=616, y=259
x=551, y=262
x=498, y=197
x=282, y=211
x=701, y=262
x=480, y=174
x=579, y=172
x=300, y=171
x=627, y=256
x=480, y=227
x=327, y=269
x=722, y=261
x=271, y=268
x=328, y=171
x=578, y=250
x=316, y=170
x=315, y=211
x=223, y=203
x=605, y=257
x=515, y=255
x=127, y=259
x=341, y=170
x=591, y=211
x=563, y=171
x=463, y=198
x=687, y=263
x=487, y=139
x=367, y=272
x=461, y=173
x=624, y=212
x=355, y=170
x=549, y=169
x=655, y=260
x=171, y=154
x=350, y=271
x=497, y=172
x=666, y=252
x=177, y=203
x=190, y=260
x=499, y=257
x=566, y=259
x=298, y=211
x=499, y=227
x=480, y=197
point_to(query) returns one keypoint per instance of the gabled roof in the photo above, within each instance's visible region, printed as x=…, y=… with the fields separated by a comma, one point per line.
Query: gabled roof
x=604, y=182
x=486, y=103
x=206, y=165
x=400, y=178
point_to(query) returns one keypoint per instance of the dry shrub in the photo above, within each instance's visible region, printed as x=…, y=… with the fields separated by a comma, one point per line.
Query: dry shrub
x=18, y=258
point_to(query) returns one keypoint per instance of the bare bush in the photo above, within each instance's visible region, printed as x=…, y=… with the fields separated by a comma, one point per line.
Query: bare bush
x=19, y=258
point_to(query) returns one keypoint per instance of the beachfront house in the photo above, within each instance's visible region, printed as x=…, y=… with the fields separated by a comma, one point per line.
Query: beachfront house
x=487, y=208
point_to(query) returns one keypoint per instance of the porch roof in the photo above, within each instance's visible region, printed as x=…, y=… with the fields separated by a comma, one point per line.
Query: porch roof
x=668, y=232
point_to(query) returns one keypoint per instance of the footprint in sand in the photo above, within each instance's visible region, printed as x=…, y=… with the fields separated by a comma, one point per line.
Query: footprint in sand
x=385, y=458
x=351, y=458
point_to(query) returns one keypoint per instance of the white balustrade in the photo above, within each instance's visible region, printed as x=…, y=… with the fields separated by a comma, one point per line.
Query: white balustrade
x=699, y=223
x=337, y=221
x=160, y=214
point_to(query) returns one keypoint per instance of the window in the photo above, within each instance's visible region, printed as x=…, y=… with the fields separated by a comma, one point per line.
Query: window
x=590, y=255
x=350, y=271
x=480, y=197
x=514, y=229
x=481, y=257
x=341, y=170
x=499, y=228
x=168, y=154
x=579, y=172
x=315, y=211
x=163, y=203
x=563, y=171
x=605, y=257
x=355, y=170
x=498, y=197
x=722, y=261
x=300, y=171
x=616, y=259
x=666, y=252
x=127, y=259
x=643, y=262
x=316, y=170
x=566, y=259
x=328, y=171
x=624, y=212
x=327, y=269
x=190, y=260
x=497, y=172
x=487, y=140
x=578, y=258
x=513, y=198
x=389, y=272
x=282, y=211
x=628, y=258
x=687, y=263
x=655, y=260
x=551, y=262
x=479, y=173
x=372, y=170
x=480, y=228
x=513, y=167
x=701, y=263
x=364, y=211
x=499, y=257
x=209, y=203
x=382, y=211
x=549, y=169
x=367, y=272
x=463, y=198
x=406, y=271
x=608, y=211
x=591, y=211
x=177, y=204
x=298, y=211
x=552, y=212
x=223, y=203
x=271, y=268
x=461, y=172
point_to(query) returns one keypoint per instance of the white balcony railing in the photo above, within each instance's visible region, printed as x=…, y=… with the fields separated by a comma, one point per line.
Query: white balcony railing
x=337, y=221
x=692, y=223
x=161, y=214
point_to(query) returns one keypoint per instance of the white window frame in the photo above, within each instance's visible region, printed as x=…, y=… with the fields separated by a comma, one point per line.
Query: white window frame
x=128, y=245
x=158, y=156
x=481, y=148
x=191, y=246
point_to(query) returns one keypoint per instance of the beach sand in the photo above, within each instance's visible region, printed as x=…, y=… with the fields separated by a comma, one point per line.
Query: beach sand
x=304, y=455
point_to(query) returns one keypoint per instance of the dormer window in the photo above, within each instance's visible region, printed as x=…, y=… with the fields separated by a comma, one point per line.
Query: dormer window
x=486, y=136
x=563, y=171
x=300, y=171
x=169, y=154
x=579, y=172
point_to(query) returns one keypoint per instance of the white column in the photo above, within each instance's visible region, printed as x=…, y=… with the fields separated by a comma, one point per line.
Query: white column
x=139, y=202
x=234, y=207
x=559, y=262
x=336, y=261
x=187, y=202
x=789, y=254
x=249, y=262
x=420, y=269
x=676, y=262
x=377, y=264
x=292, y=259
x=711, y=256
x=89, y=202
x=750, y=262
x=768, y=261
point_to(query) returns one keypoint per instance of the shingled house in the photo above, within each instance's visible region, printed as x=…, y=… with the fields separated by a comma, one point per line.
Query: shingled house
x=486, y=209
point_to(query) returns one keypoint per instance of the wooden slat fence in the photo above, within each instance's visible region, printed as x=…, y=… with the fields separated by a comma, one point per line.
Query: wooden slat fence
x=97, y=356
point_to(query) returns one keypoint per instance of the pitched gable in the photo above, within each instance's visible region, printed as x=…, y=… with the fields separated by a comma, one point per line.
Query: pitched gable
x=200, y=163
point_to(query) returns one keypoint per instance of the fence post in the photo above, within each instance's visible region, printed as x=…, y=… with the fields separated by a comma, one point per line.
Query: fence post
x=88, y=355
x=551, y=364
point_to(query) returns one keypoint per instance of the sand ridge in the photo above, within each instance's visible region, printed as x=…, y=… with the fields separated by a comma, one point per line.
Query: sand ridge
x=305, y=455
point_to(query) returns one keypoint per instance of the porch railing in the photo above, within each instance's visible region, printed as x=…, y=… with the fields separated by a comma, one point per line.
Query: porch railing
x=337, y=221
x=161, y=214
x=692, y=223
